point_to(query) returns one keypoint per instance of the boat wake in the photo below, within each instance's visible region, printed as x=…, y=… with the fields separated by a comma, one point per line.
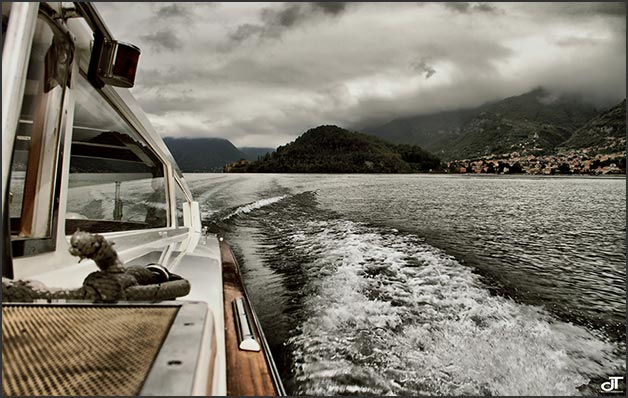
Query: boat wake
x=253, y=206
x=222, y=221
x=376, y=311
x=385, y=313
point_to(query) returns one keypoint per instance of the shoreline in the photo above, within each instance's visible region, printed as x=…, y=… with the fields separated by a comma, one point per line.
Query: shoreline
x=481, y=175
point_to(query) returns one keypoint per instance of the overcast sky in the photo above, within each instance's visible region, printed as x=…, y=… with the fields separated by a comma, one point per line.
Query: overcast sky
x=260, y=74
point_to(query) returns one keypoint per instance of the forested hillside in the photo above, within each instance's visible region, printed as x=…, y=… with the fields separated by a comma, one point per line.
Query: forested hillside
x=331, y=149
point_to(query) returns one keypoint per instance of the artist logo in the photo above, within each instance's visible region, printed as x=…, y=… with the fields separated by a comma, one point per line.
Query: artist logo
x=612, y=385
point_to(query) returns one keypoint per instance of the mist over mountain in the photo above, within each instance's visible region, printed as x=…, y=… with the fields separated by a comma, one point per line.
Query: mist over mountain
x=536, y=122
x=604, y=133
x=431, y=131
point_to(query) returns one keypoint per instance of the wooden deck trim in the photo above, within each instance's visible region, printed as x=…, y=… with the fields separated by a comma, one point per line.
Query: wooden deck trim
x=248, y=372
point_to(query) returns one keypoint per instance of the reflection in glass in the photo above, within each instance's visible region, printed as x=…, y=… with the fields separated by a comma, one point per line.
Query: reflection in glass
x=116, y=182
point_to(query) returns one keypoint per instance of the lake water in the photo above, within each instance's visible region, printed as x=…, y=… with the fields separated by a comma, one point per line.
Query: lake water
x=436, y=285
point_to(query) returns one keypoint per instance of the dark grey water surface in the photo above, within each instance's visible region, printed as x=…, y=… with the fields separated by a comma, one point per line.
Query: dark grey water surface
x=415, y=284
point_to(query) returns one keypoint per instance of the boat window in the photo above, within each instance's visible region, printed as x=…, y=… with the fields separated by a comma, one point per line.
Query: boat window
x=116, y=182
x=180, y=199
x=35, y=152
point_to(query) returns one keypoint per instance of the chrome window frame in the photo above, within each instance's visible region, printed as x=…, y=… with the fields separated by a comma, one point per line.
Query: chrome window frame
x=28, y=246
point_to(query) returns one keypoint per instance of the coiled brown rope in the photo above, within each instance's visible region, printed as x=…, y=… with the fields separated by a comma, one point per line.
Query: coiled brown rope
x=113, y=282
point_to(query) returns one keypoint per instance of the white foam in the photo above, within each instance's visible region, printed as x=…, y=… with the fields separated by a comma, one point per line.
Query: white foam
x=397, y=315
x=254, y=206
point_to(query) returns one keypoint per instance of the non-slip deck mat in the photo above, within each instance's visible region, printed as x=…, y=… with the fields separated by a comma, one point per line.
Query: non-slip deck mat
x=80, y=350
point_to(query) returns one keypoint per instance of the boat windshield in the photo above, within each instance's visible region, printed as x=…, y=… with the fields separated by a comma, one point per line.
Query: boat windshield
x=116, y=182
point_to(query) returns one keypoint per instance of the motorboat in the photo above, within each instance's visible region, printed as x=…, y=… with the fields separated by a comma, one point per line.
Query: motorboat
x=79, y=156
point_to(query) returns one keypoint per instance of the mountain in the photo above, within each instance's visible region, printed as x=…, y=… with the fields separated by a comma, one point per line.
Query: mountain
x=201, y=155
x=331, y=149
x=534, y=122
x=254, y=153
x=604, y=133
x=432, y=131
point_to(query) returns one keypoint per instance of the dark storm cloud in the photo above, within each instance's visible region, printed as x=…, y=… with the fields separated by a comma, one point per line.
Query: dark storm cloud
x=460, y=7
x=464, y=7
x=163, y=39
x=422, y=67
x=279, y=18
x=594, y=8
x=172, y=10
x=245, y=31
x=485, y=7
x=615, y=9
x=613, y=13
x=287, y=16
x=331, y=7
x=291, y=14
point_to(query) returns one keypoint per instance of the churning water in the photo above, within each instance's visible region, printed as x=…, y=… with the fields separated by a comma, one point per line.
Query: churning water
x=435, y=285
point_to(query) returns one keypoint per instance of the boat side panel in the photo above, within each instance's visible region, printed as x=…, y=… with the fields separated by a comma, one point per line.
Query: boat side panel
x=203, y=268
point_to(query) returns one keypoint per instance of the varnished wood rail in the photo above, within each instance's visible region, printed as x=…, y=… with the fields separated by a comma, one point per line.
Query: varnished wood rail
x=248, y=372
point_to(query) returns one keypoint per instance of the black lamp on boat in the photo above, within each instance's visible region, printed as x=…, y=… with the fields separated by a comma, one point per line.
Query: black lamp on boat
x=113, y=63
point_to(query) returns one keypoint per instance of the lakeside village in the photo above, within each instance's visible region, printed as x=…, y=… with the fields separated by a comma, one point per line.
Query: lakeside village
x=573, y=162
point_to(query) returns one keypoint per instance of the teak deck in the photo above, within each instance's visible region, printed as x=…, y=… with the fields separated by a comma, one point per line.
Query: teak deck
x=248, y=372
